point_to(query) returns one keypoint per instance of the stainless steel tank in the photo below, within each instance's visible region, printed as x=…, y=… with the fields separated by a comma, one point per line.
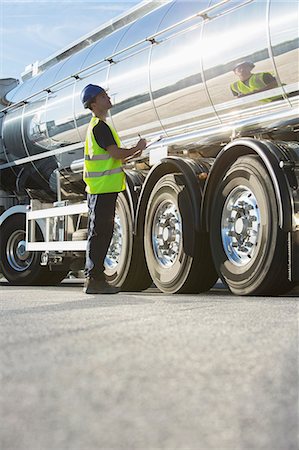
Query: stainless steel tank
x=166, y=75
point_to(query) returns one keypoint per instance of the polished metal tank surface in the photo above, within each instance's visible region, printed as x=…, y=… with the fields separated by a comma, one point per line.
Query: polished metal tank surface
x=165, y=75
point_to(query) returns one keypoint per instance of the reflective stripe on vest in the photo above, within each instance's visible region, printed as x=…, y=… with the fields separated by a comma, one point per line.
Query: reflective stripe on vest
x=102, y=173
x=97, y=157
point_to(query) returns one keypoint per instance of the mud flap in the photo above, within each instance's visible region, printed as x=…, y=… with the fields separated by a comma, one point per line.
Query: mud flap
x=293, y=243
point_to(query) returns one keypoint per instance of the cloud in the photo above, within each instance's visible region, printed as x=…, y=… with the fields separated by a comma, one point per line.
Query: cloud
x=112, y=5
x=56, y=37
x=31, y=10
x=34, y=30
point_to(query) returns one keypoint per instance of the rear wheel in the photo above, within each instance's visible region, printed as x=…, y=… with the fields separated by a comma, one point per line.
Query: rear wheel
x=19, y=266
x=249, y=249
x=125, y=265
x=178, y=257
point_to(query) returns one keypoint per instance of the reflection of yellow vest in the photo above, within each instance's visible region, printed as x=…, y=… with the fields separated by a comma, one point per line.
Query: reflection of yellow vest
x=102, y=173
x=256, y=83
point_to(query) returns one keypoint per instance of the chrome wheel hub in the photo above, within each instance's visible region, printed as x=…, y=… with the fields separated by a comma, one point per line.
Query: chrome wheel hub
x=240, y=225
x=17, y=256
x=113, y=255
x=167, y=233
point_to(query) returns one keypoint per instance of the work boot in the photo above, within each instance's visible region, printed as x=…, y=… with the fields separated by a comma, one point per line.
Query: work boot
x=94, y=286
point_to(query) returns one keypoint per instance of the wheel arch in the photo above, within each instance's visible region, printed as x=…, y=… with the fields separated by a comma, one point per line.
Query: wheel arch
x=18, y=209
x=134, y=181
x=190, y=170
x=271, y=156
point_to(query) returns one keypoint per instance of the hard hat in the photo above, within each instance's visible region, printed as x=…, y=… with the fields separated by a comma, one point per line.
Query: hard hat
x=89, y=92
x=244, y=63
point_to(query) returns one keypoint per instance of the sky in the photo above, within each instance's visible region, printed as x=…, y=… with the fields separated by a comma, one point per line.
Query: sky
x=34, y=30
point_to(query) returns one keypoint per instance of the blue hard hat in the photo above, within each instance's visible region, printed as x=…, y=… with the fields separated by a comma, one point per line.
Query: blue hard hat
x=89, y=92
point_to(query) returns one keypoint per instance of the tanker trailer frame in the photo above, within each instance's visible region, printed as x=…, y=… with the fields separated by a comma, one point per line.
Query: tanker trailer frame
x=216, y=196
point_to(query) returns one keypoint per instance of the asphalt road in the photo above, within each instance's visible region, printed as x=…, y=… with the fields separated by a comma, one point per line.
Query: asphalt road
x=147, y=370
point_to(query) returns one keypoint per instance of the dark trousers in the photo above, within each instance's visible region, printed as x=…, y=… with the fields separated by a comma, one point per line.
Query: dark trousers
x=101, y=209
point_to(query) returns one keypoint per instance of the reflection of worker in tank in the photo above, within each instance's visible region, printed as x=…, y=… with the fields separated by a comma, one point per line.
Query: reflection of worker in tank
x=251, y=83
x=104, y=178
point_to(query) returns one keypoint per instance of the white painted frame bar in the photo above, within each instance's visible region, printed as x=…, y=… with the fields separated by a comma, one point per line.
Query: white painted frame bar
x=44, y=215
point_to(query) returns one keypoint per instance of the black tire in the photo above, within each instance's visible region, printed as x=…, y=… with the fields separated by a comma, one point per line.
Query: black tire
x=178, y=257
x=249, y=249
x=125, y=264
x=18, y=267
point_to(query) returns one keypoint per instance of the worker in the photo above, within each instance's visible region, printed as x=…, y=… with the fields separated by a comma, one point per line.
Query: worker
x=104, y=178
x=251, y=83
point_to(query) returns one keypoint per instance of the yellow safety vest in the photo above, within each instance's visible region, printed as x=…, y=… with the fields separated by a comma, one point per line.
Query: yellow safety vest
x=102, y=173
x=256, y=83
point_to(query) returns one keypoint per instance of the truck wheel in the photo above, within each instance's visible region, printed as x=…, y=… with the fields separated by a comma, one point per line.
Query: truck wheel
x=178, y=257
x=249, y=249
x=125, y=264
x=18, y=266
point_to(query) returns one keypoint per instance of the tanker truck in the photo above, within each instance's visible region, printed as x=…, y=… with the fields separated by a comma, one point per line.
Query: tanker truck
x=215, y=194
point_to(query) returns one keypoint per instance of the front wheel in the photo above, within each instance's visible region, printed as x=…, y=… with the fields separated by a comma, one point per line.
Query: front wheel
x=19, y=266
x=249, y=249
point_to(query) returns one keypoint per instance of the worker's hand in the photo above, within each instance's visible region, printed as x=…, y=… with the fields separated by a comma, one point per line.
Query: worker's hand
x=141, y=145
